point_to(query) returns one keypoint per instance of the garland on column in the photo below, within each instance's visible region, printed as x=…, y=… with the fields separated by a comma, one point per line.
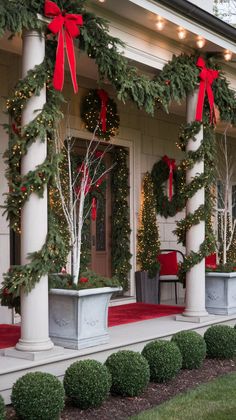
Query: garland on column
x=203, y=212
x=120, y=246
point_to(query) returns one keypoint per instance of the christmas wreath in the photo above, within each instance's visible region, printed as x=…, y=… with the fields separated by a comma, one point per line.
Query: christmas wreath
x=164, y=171
x=99, y=112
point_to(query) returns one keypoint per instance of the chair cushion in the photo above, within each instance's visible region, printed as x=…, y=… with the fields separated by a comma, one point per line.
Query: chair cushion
x=210, y=261
x=169, y=264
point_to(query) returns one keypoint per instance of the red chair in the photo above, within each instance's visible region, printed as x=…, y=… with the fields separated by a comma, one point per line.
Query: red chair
x=211, y=261
x=169, y=260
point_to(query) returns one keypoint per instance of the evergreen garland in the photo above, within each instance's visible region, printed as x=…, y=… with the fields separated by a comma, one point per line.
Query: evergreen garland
x=120, y=247
x=90, y=114
x=148, y=234
x=159, y=175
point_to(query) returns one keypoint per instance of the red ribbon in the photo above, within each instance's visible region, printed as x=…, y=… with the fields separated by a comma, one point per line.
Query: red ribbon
x=65, y=25
x=171, y=165
x=103, y=114
x=94, y=209
x=207, y=77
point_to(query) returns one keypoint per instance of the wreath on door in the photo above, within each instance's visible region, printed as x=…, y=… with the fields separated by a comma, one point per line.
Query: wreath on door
x=165, y=171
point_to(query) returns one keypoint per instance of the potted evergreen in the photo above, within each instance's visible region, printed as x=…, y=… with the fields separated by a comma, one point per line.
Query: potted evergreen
x=78, y=301
x=147, y=278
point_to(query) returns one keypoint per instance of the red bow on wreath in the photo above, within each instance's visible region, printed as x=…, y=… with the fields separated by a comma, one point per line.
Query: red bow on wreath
x=171, y=165
x=207, y=77
x=103, y=114
x=65, y=25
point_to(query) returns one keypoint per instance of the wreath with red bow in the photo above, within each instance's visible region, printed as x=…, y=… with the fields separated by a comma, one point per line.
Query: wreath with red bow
x=99, y=112
x=165, y=171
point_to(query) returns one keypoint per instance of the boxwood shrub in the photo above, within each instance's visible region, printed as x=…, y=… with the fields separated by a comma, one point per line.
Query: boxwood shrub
x=37, y=396
x=164, y=359
x=87, y=383
x=129, y=371
x=2, y=409
x=192, y=346
x=220, y=341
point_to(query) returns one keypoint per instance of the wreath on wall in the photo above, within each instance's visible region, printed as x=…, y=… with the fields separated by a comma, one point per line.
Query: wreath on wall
x=165, y=172
x=99, y=113
x=178, y=78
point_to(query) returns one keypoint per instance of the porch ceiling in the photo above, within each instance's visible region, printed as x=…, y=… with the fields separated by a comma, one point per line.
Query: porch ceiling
x=144, y=13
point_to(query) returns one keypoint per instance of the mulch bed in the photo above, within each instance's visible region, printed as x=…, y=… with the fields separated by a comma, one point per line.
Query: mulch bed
x=122, y=408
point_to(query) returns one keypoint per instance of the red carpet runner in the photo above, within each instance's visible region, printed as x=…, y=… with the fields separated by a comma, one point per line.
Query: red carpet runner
x=122, y=314
x=134, y=312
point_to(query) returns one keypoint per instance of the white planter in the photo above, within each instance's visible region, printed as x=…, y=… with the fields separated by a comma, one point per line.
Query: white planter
x=78, y=318
x=221, y=293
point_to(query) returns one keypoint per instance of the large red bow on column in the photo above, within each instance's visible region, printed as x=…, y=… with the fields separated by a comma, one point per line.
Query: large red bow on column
x=94, y=208
x=207, y=77
x=103, y=114
x=65, y=25
x=171, y=165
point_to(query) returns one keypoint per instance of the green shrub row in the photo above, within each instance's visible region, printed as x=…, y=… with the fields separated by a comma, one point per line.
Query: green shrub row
x=87, y=383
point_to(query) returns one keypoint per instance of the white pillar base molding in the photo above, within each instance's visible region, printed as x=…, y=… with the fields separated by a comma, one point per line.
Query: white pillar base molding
x=34, y=355
x=197, y=319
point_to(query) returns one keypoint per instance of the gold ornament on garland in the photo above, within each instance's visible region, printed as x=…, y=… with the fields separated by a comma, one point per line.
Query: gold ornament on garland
x=99, y=112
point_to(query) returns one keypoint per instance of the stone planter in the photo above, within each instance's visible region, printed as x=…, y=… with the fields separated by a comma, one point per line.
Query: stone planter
x=221, y=293
x=146, y=288
x=78, y=318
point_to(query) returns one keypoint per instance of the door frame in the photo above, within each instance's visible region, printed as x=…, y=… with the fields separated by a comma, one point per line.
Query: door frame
x=134, y=147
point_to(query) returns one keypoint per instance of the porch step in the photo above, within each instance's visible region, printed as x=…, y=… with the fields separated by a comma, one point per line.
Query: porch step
x=132, y=336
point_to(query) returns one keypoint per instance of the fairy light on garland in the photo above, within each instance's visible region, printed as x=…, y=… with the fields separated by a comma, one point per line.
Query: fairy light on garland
x=120, y=251
x=90, y=114
x=148, y=234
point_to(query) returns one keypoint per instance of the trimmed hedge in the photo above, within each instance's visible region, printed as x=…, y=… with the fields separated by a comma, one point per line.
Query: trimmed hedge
x=164, y=360
x=129, y=371
x=220, y=341
x=87, y=383
x=192, y=346
x=2, y=409
x=38, y=396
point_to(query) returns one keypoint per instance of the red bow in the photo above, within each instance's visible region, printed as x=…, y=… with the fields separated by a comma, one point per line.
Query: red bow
x=104, y=98
x=207, y=77
x=171, y=165
x=66, y=26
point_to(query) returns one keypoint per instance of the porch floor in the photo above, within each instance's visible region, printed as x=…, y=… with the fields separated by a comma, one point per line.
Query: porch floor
x=132, y=336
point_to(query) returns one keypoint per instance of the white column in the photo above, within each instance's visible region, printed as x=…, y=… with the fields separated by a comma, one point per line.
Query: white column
x=195, y=278
x=34, y=305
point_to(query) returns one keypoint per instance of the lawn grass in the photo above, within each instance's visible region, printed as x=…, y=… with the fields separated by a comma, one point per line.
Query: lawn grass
x=215, y=400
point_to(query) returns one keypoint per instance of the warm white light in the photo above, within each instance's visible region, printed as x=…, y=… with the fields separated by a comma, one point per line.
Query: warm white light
x=227, y=55
x=160, y=23
x=182, y=33
x=101, y=1
x=200, y=42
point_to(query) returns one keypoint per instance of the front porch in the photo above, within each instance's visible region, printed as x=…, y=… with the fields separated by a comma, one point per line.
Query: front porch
x=131, y=336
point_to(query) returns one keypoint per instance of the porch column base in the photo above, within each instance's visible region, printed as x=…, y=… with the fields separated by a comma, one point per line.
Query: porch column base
x=31, y=346
x=197, y=319
x=34, y=355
